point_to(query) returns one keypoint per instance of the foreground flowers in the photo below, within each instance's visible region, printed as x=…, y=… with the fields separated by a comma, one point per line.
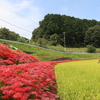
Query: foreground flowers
x=23, y=77
x=31, y=80
x=10, y=57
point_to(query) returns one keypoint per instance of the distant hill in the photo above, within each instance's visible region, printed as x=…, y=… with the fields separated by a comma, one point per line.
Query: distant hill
x=54, y=27
x=10, y=35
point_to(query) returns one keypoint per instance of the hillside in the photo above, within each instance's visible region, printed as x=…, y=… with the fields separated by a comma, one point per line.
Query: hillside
x=10, y=35
x=57, y=29
x=45, y=54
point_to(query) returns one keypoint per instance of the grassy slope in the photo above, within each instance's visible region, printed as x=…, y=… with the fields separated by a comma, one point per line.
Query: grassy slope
x=45, y=55
x=78, y=80
x=60, y=48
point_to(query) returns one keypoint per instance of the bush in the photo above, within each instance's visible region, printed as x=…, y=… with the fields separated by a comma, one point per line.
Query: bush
x=91, y=49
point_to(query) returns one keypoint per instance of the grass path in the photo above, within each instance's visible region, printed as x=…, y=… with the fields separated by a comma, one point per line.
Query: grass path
x=78, y=80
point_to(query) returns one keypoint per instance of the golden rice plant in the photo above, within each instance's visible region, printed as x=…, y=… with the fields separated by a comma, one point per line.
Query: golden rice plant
x=78, y=80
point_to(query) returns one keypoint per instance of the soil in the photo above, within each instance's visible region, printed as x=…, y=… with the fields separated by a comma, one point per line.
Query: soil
x=64, y=58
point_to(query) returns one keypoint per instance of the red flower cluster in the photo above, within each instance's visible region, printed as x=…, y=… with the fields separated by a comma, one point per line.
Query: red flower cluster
x=9, y=57
x=31, y=81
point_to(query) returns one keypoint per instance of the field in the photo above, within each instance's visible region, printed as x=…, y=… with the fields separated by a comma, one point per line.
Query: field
x=78, y=80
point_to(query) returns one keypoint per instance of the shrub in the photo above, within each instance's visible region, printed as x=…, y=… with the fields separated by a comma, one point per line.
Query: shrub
x=91, y=49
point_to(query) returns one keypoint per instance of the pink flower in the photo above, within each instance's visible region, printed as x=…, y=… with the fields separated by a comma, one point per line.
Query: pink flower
x=5, y=97
x=17, y=95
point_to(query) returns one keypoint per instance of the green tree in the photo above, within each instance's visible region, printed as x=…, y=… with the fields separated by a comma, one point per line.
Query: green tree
x=8, y=35
x=91, y=49
x=92, y=36
x=51, y=24
x=42, y=42
x=4, y=33
x=36, y=34
x=54, y=39
x=23, y=39
x=75, y=29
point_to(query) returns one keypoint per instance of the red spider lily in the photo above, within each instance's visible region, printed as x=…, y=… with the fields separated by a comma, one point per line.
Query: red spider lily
x=9, y=57
x=31, y=79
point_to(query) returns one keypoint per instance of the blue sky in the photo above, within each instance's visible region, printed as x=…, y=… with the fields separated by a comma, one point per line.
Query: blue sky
x=26, y=14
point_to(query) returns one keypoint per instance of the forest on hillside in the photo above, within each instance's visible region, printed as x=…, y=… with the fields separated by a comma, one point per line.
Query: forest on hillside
x=10, y=35
x=55, y=29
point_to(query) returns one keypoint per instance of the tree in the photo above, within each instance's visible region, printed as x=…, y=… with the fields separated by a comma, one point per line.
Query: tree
x=23, y=39
x=92, y=36
x=51, y=24
x=91, y=49
x=42, y=41
x=8, y=35
x=4, y=33
x=75, y=29
x=54, y=39
x=36, y=34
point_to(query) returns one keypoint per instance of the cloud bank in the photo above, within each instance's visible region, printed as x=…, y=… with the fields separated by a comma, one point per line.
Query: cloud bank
x=22, y=13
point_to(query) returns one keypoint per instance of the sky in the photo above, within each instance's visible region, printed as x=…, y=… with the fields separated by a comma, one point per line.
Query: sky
x=23, y=16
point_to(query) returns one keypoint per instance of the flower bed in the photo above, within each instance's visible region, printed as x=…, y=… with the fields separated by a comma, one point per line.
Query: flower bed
x=29, y=81
x=23, y=77
x=9, y=57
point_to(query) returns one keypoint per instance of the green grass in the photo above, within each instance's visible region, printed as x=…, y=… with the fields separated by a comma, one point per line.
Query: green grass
x=78, y=80
x=60, y=48
x=45, y=55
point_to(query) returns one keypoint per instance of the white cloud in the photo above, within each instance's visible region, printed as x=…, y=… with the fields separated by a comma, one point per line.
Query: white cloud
x=22, y=13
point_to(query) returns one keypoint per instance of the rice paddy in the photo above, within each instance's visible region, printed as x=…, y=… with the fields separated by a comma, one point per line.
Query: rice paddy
x=78, y=80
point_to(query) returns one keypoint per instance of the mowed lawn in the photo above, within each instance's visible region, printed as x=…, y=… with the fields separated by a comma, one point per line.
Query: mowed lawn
x=78, y=80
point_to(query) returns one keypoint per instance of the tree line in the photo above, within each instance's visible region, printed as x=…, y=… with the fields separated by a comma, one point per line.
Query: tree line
x=10, y=35
x=56, y=29
x=78, y=32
